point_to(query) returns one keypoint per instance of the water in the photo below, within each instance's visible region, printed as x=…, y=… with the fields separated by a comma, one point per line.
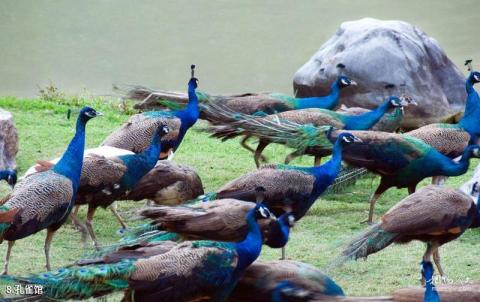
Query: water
x=238, y=46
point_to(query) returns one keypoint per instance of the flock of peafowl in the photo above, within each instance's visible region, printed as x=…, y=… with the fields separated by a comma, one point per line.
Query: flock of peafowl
x=206, y=248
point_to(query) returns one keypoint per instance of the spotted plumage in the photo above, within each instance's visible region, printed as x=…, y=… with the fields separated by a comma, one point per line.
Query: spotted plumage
x=402, y=161
x=290, y=280
x=190, y=271
x=135, y=135
x=434, y=215
x=44, y=200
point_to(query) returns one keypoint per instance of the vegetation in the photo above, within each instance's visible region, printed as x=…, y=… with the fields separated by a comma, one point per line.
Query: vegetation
x=317, y=239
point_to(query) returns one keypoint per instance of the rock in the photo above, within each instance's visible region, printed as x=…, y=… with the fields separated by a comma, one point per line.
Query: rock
x=8, y=141
x=377, y=53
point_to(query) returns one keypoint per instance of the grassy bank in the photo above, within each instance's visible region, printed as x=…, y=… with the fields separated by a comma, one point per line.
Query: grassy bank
x=45, y=131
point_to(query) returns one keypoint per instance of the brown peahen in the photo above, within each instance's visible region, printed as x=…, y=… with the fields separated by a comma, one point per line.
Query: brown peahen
x=44, y=200
x=434, y=215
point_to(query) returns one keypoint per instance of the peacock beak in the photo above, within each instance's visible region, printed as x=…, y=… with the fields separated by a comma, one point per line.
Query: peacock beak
x=353, y=83
x=357, y=139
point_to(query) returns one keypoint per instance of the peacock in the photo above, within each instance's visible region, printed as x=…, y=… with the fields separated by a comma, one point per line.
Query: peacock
x=293, y=186
x=247, y=103
x=451, y=139
x=190, y=271
x=167, y=183
x=431, y=294
x=105, y=180
x=401, y=161
x=10, y=176
x=284, y=281
x=222, y=219
x=434, y=215
x=44, y=200
x=135, y=135
x=249, y=127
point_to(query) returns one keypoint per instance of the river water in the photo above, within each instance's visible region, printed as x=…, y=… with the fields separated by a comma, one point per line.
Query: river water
x=238, y=46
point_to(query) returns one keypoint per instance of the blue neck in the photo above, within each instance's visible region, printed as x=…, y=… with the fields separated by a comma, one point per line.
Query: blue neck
x=431, y=294
x=332, y=167
x=366, y=120
x=249, y=249
x=140, y=164
x=329, y=101
x=452, y=168
x=70, y=165
x=190, y=114
x=471, y=115
x=277, y=291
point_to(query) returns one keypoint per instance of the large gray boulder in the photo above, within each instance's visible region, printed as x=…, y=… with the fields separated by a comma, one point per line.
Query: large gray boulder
x=377, y=53
x=8, y=141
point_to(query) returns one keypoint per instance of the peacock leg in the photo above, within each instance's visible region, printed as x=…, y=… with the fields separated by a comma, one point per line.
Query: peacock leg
x=438, y=180
x=7, y=257
x=113, y=208
x=292, y=156
x=78, y=225
x=284, y=256
x=244, y=144
x=48, y=242
x=318, y=160
x=427, y=257
x=262, y=144
x=436, y=259
x=373, y=200
x=89, y=224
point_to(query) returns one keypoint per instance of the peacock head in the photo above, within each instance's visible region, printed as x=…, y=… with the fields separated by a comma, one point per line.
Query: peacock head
x=346, y=138
x=261, y=211
x=87, y=113
x=344, y=81
x=289, y=218
x=475, y=151
x=475, y=77
x=10, y=176
x=163, y=130
x=193, y=83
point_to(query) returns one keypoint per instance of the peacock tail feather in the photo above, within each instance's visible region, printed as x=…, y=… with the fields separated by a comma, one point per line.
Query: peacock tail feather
x=347, y=177
x=82, y=282
x=4, y=225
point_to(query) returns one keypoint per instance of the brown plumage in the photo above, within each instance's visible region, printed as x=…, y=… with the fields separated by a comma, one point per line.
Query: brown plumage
x=168, y=184
x=136, y=134
x=434, y=215
x=450, y=141
x=262, y=279
x=222, y=219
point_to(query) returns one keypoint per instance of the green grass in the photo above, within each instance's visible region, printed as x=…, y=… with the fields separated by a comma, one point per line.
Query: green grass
x=317, y=239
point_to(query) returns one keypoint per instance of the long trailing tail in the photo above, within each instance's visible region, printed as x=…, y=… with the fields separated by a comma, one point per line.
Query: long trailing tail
x=270, y=127
x=151, y=98
x=372, y=240
x=78, y=283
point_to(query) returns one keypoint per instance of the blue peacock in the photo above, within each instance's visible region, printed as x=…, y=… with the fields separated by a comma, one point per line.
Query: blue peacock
x=107, y=179
x=287, y=186
x=45, y=200
x=261, y=126
x=451, y=139
x=191, y=271
x=135, y=135
x=402, y=161
x=10, y=176
x=247, y=103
